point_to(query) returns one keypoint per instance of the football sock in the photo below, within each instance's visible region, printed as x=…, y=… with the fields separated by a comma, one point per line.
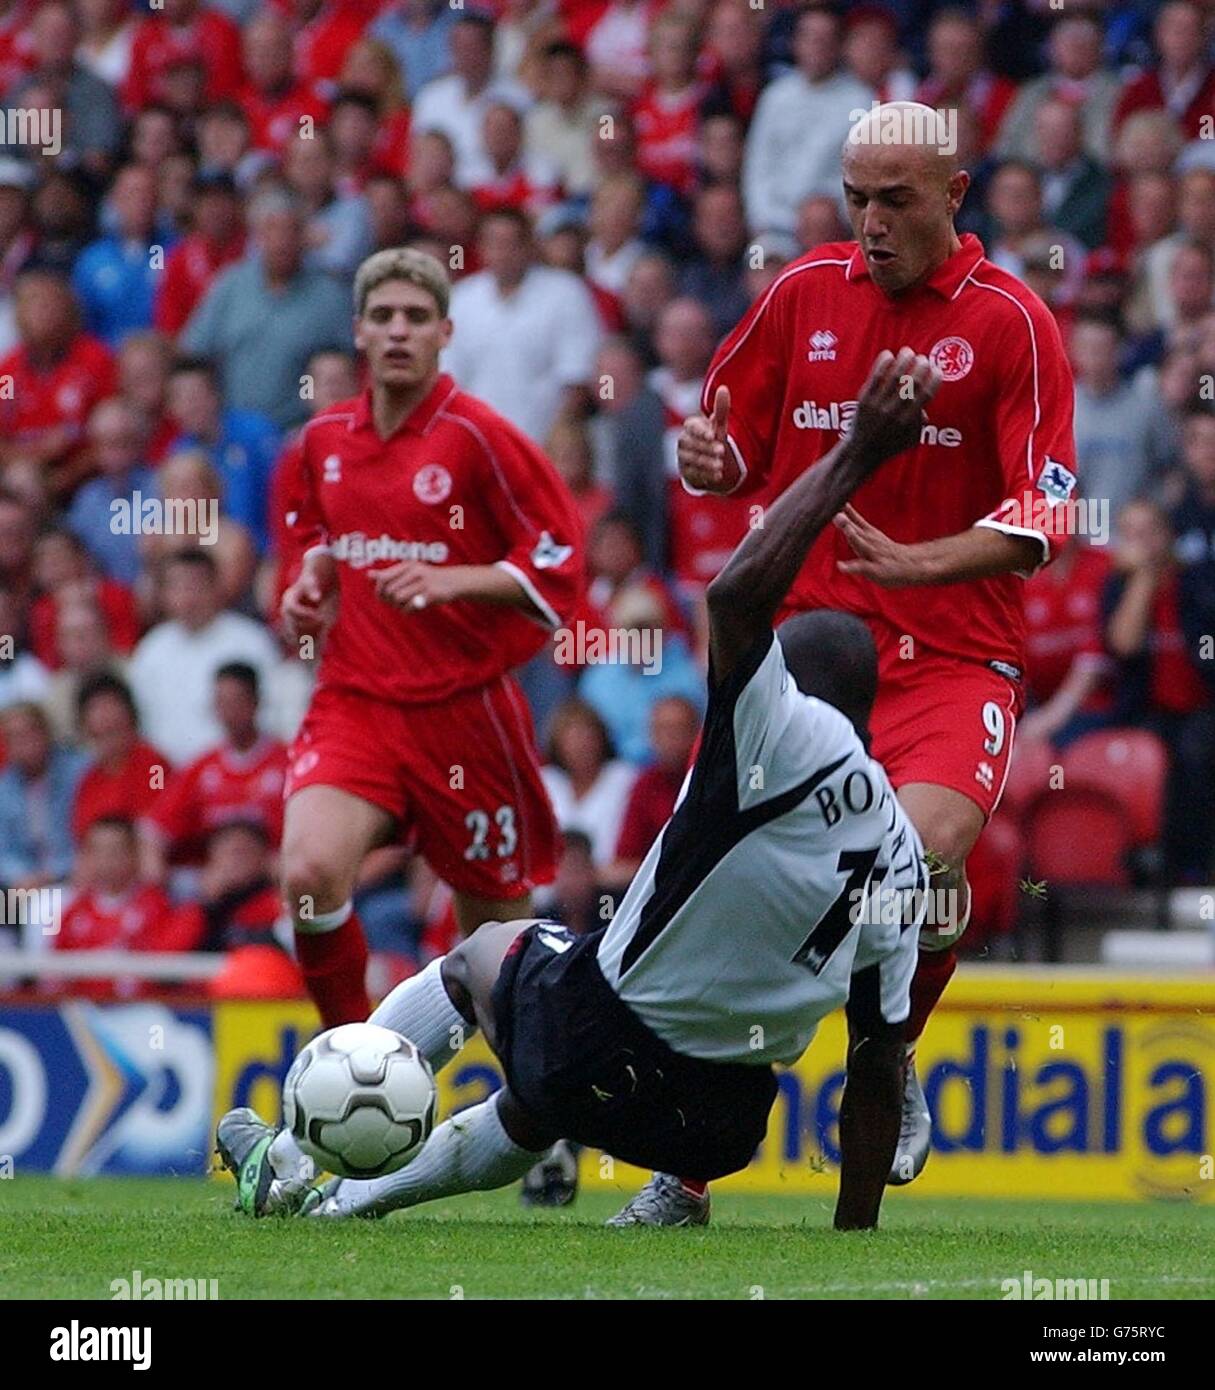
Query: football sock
x=932, y=974
x=421, y=1009
x=471, y=1152
x=694, y=1186
x=332, y=953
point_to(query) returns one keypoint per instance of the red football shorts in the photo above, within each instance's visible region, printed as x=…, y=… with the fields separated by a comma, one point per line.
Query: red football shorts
x=942, y=720
x=461, y=778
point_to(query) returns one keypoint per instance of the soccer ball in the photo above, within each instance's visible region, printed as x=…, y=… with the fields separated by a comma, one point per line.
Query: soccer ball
x=360, y=1100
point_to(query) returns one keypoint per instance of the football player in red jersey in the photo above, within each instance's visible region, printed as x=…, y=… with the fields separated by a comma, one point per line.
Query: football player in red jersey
x=933, y=551
x=439, y=546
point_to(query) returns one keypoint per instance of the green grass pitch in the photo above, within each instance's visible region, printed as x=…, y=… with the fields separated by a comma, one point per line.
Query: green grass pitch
x=70, y=1238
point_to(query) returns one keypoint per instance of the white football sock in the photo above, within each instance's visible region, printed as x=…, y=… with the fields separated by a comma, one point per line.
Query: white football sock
x=421, y=1009
x=288, y=1160
x=471, y=1152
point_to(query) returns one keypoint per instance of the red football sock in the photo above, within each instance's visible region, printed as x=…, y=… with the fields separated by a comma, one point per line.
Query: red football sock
x=694, y=1186
x=932, y=974
x=335, y=970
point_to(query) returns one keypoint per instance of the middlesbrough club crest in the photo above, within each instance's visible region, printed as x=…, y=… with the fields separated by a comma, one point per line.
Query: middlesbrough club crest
x=952, y=357
x=432, y=484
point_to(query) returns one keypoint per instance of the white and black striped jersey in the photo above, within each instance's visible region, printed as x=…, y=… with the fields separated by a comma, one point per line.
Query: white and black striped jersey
x=770, y=886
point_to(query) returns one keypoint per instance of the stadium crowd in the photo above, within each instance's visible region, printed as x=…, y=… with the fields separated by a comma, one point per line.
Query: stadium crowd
x=611, y=185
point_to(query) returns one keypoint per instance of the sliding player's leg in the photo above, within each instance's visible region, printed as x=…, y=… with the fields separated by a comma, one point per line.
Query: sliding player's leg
x=487, y=1146
x=484, y=1147
x=436, y=1009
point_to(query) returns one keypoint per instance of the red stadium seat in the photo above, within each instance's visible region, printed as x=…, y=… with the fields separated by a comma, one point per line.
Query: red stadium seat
x=1028, y=775
x=1129, y=765
x=1078, y=835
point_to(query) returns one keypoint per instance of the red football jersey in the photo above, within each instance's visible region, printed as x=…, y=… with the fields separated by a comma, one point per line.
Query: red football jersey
x=130, y=792
x=17, y=53
x=189, y=269
x=273, y=120
x=668, y=135
x=117, y=605
x=321, y=45
x=65, y=395
x=997, y=449
x=221, y=786
x=210, y=37
x=1063, y=622
x=135, y=920
x=456, y=484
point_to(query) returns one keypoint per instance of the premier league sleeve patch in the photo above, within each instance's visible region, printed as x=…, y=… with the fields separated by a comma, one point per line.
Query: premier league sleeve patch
x=1056, y=481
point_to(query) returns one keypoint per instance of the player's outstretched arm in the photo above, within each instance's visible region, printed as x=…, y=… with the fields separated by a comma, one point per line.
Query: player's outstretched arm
x=979, y=552
x=745, y=596
x=870, y=1114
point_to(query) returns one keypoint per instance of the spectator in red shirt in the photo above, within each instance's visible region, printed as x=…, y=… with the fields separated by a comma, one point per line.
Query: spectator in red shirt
x=57, y=376
x=182, y=30
x=64, y=575
x=371, y=70
x=1159, y=685
x=275, y=100
x=1066, y=666
x=117, y=912
x=958, y=74
x=240, y=908
x=872, y=53
x=1183, y=82
x=17, y=53
x=127, y=775
x=1148, y=143
x=667, y=113
x=216, y=239
x=354, y=125
x=241, y=779
x=734, y=47
x=674, y=724
x=324, y=31
x=517, y=179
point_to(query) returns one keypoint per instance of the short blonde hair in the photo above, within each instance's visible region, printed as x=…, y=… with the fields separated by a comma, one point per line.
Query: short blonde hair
x=402, y=263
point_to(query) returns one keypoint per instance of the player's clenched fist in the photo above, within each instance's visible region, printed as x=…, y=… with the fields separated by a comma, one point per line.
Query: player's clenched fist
x=890, y=410
x=706, y=461
x=309, y=606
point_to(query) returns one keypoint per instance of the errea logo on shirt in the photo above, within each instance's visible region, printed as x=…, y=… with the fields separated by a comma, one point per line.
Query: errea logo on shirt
x=838, y=416
x=822, y=346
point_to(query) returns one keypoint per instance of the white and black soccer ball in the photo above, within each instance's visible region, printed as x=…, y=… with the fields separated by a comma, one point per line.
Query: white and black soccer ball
x=360, y=1100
